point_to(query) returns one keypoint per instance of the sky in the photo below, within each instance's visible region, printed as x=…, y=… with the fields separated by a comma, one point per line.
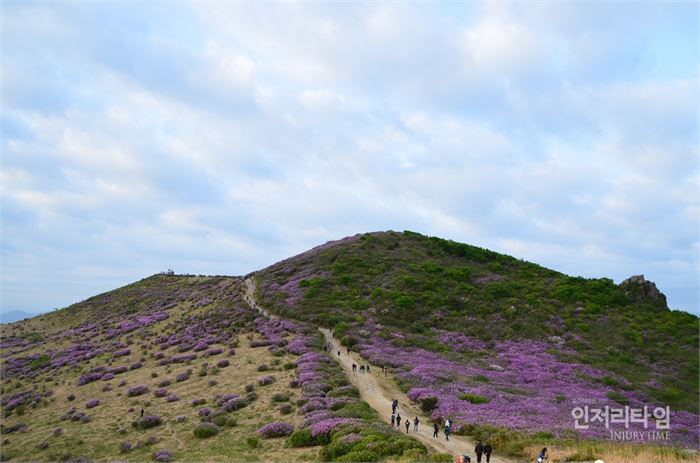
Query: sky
x=219, y=138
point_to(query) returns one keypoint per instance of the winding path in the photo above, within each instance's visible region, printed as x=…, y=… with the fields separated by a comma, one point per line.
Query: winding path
x=378, y=391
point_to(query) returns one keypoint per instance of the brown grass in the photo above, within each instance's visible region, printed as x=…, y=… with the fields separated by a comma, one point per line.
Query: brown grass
x=614, y=452
x=100, y=439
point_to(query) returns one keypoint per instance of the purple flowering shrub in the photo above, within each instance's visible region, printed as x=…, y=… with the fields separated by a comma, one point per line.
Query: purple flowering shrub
x=137, y=391
x=172, y=398
x=160, y=392
x=121, y=352
x=162, y=455
x=276, y=429
x=265, y=380
x=92, y=403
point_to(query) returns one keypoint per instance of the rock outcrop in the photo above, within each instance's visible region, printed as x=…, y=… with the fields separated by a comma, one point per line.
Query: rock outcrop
x=641, y=290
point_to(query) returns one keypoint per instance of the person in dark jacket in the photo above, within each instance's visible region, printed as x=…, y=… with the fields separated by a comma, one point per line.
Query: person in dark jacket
x=408, y=425
x=543, y=455
x=487, y=452
x=398, y=421
x=479, y=450
x=415, y=424
x=393, y=420
x=436, y=428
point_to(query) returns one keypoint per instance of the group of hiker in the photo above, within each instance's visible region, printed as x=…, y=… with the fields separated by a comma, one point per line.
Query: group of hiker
x=396, y=418
x=363, y=368
x=480, y=450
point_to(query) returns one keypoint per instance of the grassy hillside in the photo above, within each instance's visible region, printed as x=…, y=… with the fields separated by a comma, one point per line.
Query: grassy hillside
x=216, y=381
x=417, y=284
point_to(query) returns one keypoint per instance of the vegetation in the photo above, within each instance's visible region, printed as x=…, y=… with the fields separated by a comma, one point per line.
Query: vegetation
x=414, y=283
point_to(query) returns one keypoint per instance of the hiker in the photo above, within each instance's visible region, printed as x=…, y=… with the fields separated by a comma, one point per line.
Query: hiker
x=543, y=455
x=367, y=368
x=398, y=421
x=415, y=424
x=338, y=353
x=393, y=420
x=436, y=428
x=408, y=425
x=362, y=368
x=142, y=413
x=394, y=404
x=348, y=351
x=447, y=430
x=354, y=367
x=487, y=452
x=382, y=368
x=479, y=449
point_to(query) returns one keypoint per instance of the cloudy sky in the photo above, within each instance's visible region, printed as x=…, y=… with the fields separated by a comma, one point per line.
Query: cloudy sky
x=219, y=138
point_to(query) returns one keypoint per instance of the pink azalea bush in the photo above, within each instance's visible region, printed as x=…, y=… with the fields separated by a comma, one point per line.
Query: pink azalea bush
x=276, y=429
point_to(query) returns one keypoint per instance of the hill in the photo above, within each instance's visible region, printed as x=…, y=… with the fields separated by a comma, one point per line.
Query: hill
x=179, y=368
x=400, y=298
x=504, y=348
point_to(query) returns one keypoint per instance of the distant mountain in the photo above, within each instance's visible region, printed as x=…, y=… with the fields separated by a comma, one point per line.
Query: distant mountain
x=16, y=315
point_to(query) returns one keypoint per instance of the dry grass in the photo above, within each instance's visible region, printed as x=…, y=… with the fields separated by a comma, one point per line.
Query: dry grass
x=100, y=439
x=614, y=452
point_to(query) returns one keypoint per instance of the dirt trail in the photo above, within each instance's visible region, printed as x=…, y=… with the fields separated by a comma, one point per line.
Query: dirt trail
x=378, y=391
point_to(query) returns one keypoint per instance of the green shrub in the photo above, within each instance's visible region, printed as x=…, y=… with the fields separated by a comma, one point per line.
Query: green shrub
x=223, y=420
x=349, y=392
x=363, y=455
x=301, y=438
x=428, y=404
x=252, y=441
x=474, y=398
x=617, y=397
x=441, y=458
x=205, y=430
x=279, y=397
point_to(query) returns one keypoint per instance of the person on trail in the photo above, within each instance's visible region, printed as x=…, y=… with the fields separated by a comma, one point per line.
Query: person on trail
x=487, y=452
x=393, y=420
x=447, y=431
x=394, y=404
x=348, y=351
x=142, y=413
x=415, y=424
x=354, y=367
x=338, y=353
x=408, y=425
x=367, y=368
x=398, y=421
x=479, y=449
x=543, y=455
x=362, y=368
x=436, y=428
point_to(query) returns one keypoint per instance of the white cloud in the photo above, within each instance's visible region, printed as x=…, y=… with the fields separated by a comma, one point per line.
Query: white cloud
x=231, y=135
